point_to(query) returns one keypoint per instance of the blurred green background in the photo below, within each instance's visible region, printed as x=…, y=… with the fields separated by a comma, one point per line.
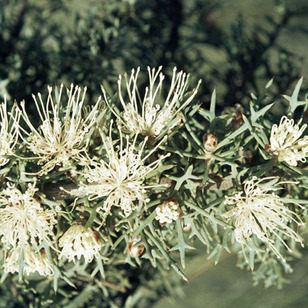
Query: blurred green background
x=227, y=286
x=235, y=46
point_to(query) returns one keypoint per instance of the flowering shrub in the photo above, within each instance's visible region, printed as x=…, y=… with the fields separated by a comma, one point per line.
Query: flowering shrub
x=136, y=179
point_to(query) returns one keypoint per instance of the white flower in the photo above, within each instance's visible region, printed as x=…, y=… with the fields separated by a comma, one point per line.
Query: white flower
x=168, y=211
x=64, y=133
x=150, y=115
x=22, y=218
x=8, y=132
x=31, y=261
x=286, y=142
x=78, y=241
x=262, y=214
x=120, y=177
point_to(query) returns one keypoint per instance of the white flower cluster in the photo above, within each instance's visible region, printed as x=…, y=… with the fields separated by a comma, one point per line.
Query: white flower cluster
x=156, y=113
x=62, y=137
x=118, y=173
x=78, y=241
x=23, y=224
x=286, y=143
x=262, y=214
x=61, y=140
x=168, y=211
x=32, y=261
x=23, y=219
x=120, y=177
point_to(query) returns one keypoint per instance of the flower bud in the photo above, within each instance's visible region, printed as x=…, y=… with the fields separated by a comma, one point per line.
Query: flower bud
x=210, y=142
x=187, y=227
x=135, y=251
x=236, y=114
x=168, y=211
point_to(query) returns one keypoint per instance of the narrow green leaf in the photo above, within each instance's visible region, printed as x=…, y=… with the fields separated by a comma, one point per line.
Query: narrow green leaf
x=213, y=105
x=205, y=214
x=165, y=254
x=255, y=115
x=181, y=246
x=293, y=100
x=144, y=223
x=188, y=175
x=232, y=136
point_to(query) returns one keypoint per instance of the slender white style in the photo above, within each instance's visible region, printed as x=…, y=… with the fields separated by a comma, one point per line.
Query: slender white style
x=286, y=141
x=8, y=131
x=150, y=115
x=262, y=213
x=78, y=241
x=64, y=133
x=120, y=177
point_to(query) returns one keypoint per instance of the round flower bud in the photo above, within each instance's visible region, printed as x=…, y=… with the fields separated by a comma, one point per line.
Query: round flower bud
x=210, y=142
x=168, y=211
x=267, y=147
x=135, y=251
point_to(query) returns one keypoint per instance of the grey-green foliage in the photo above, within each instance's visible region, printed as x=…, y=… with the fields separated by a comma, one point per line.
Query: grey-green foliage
x=197, y=180
x=94, y=48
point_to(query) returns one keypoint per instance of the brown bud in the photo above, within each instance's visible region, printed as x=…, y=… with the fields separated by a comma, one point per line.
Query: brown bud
x=135, y=251
x=267, y=147
x=210, y=142
x=238, y=121
x=96, y=236
x=239, y=116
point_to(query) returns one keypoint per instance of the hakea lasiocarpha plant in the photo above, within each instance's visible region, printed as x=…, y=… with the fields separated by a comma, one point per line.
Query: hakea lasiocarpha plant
x=140, y=185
